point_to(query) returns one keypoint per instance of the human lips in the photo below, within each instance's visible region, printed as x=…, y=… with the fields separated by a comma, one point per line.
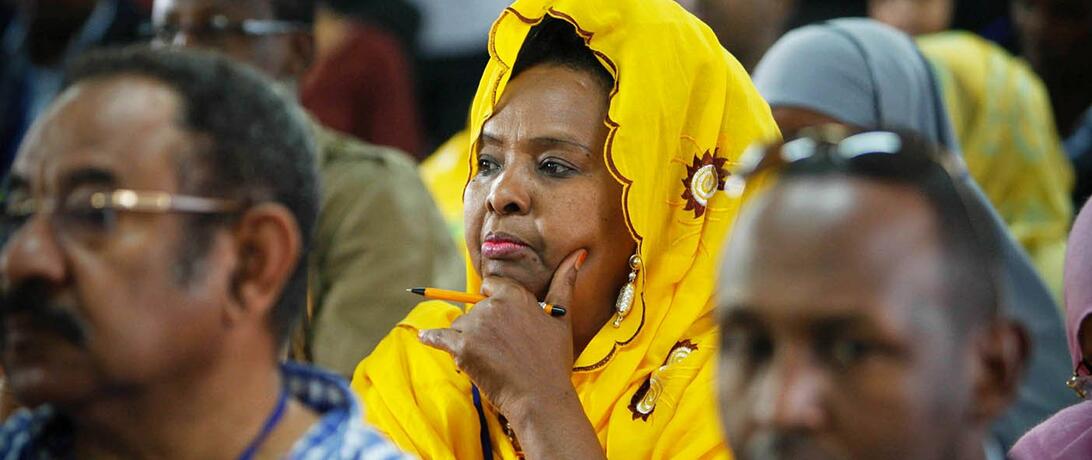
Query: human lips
x=25, y=341
x=503, y=246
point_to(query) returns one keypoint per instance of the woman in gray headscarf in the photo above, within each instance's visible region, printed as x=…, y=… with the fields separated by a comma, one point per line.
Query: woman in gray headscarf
x=862, y=73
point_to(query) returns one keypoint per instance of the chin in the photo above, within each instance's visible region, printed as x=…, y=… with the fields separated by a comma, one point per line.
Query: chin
x=531, y=279
x=34, y=386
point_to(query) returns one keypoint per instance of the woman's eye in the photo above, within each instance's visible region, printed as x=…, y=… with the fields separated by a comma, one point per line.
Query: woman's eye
x=556, y=168
x=487, y=166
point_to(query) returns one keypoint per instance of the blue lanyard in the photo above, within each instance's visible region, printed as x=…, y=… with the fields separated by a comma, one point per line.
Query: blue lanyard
x=270, y=423
x=487, y=444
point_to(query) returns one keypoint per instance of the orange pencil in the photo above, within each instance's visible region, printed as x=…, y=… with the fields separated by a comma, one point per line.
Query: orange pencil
x=466, y=297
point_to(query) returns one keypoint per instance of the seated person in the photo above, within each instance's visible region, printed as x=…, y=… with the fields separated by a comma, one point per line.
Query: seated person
x=601, y=134
x=859, y=306
x=1068, y=434
x=152, y=242
x=1000, y=113
x=866, y=74
x=378, y=230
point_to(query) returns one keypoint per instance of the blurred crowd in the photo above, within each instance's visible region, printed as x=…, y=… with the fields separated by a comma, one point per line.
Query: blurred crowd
x=856, y=234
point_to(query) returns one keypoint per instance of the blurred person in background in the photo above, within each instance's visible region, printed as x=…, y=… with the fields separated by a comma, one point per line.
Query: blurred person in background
x=746, y=28
x=859, y=306
x=361, y=82
x=1068, y=435
x=378, y=231
x=43, y=37
x=865, y=74
x=1000, y=113
x=444, y=173
x=915, y=17
x=399, y=17
x=1056, y=39
x=451, y=54
x=152, y=270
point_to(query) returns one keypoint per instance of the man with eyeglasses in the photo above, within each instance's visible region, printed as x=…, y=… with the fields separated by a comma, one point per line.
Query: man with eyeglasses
x=378, y=232
x=153, y=229
x=859, y=306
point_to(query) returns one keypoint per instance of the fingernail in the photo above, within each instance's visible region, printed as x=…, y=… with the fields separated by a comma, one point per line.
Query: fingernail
x=423, y=335
x=580, y=259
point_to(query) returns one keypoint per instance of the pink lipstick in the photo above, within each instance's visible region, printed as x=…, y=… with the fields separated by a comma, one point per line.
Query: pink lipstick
x=502, y=246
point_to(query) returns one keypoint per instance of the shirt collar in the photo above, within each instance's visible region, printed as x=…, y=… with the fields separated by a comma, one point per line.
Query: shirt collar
x=339, y=433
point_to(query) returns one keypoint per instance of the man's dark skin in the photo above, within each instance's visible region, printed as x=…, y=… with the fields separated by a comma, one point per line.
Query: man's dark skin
x=836, y=342
x=155, y=366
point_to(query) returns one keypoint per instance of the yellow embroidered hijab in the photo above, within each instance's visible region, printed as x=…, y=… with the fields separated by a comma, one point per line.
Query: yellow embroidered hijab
x=681, y=113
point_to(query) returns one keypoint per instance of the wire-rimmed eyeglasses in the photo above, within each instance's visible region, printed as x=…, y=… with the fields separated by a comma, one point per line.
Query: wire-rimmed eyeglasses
x=87, y=215
x=852, y=152
x=219, y=27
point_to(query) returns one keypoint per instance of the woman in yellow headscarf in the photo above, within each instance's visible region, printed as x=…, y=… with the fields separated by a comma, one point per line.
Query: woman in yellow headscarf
x=602, y=136
x=1000, y=111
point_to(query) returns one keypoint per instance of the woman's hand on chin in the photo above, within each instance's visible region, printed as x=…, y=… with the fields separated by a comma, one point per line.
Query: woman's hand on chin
x=521, y=359
x=517, y=354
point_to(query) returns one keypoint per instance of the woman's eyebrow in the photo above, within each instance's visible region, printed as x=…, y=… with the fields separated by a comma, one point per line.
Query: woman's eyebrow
x=555, y=141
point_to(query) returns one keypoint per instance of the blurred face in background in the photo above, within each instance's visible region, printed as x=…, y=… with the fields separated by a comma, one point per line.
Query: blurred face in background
x=746, y=28
x=94, y=304
x=245, y=30
x=1054, y=34
x=915, y=17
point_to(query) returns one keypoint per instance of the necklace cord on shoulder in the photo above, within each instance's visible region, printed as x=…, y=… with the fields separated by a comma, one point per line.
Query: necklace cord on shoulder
x=267, y=428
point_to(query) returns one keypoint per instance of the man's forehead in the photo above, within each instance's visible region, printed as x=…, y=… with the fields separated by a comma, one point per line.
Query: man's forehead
x=126, y=124
x=832, y=241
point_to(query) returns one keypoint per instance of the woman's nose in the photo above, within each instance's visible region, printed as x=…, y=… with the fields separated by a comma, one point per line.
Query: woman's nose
x=510, y=192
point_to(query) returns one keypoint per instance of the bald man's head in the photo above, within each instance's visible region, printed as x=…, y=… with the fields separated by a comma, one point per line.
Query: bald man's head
x=854, y=312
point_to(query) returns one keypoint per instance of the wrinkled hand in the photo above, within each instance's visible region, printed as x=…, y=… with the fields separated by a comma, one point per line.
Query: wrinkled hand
x=513, y=351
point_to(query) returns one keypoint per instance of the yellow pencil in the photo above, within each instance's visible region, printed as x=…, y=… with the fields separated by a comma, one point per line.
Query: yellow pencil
x=466, y=297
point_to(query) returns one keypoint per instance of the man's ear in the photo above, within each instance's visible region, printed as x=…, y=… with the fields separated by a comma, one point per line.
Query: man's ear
x=269, y=244
x=1000, y=356
x=301, y=47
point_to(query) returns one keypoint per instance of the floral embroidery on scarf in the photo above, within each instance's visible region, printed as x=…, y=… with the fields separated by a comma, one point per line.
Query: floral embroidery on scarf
x=644, y=399
x=704, y=178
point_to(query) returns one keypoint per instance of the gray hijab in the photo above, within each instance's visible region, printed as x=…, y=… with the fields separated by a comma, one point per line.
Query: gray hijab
x=870, y=75
x=859, y=71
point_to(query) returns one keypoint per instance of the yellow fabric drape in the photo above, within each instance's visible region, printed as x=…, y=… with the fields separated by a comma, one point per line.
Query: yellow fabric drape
x=681, y=113
x=445, y=173
x=1001, y=113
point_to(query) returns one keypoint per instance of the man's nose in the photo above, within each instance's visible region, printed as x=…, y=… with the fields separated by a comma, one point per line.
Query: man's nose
x=32, y=252
x=791, y=398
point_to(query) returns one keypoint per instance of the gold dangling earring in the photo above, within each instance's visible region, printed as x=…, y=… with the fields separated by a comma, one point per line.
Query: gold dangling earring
x=624, y=304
